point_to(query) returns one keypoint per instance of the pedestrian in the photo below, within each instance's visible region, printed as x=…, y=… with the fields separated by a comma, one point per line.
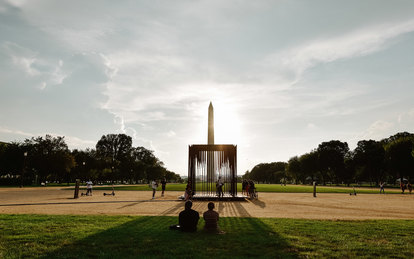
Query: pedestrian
x=89, y=188
x=219, y=186
x=163, y=184
x=402, y=186
x=247, y=187
x=154, y=186
x=410, y=187
x=252, y=189
x=381, y=184
x=244, y=184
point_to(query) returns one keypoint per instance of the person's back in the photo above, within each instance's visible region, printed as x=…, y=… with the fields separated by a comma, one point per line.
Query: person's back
x=211, y=218
x=188, y=218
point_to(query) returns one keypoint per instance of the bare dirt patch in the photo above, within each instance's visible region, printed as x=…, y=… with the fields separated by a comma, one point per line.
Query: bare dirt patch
x=52, y=200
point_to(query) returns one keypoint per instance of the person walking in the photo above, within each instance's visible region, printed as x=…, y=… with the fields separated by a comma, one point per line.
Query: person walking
x=154, y=186
x=410, y=187
x=163, y=184
x=381, y=184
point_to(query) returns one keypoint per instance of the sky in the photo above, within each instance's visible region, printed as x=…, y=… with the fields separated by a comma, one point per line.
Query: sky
x=283, y=76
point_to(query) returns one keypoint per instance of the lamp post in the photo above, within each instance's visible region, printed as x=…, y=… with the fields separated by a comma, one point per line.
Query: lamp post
x=83, y=170
x=112, y=175
x=24, y=168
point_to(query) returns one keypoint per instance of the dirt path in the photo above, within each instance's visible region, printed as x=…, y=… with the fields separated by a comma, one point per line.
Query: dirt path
x=51, y=200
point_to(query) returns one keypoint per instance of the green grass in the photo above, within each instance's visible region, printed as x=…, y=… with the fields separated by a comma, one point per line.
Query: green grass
x=260, y=188
x=144, y=237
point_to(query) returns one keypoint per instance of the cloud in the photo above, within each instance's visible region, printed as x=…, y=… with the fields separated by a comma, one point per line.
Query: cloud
x=365, y=41
x=377, y=130
x=48, y=72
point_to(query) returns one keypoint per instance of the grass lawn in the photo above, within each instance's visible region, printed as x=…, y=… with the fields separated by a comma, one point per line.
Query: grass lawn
x=64, y=236
x=260, y=188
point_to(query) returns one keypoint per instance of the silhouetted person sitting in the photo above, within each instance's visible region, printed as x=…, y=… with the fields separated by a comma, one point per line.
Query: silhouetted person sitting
x=211, y=218
x=188, y=218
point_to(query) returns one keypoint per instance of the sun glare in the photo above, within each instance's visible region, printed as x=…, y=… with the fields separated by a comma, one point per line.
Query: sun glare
x=227, y=126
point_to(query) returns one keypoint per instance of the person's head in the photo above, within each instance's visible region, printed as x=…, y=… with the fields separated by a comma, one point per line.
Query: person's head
x=210, y=206
x=188, y=205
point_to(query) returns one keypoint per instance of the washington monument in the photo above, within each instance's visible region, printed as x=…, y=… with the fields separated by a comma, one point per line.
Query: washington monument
x=210, y=140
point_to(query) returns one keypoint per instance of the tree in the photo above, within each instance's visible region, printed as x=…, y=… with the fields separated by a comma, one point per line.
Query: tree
x=369, y=160
x=113, y=149
x=268, y=172
x=294, y=171
x=309, y=166
x=147, y=163
x=87, y=165
x=172, y=177
x=50, y=157
x=332, y=160
x=12, y=158
x=399, y=154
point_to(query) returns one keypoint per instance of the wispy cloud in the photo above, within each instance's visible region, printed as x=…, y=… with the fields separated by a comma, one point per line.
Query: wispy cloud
x=378, y=130
x=45, y=71
x=361, y=42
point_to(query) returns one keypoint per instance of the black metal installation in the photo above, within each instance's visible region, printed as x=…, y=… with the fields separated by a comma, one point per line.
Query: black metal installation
x=208, y=164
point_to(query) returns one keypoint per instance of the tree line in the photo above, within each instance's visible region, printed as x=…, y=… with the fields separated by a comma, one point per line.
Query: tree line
x=333, y=162
x=41, y=159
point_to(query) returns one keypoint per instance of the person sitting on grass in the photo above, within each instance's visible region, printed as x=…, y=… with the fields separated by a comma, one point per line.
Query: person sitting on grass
x=188, y=194
x=188, y=218
x=211, y=218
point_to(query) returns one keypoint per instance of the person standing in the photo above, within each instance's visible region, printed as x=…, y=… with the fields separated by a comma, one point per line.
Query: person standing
x=154, y=186
x=163, y=184
x=244, y=184
x=410, y=187
x=382, y=187
x=402, y=186
x=211, y=219
x=219, y=186
x=89, y=188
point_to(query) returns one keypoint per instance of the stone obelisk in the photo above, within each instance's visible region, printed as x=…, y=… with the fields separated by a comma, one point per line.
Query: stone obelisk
x=210, y=141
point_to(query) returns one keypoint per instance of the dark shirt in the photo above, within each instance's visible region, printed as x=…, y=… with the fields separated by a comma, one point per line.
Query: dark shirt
x=163, y=183
x=211, y=217
x=188, y=220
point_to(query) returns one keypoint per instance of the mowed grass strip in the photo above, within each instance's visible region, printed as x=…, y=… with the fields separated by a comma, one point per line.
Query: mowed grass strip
x=260, y=188
x=63, y=236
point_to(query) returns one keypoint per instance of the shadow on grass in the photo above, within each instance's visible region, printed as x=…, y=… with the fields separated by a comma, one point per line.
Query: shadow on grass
x=151, y=237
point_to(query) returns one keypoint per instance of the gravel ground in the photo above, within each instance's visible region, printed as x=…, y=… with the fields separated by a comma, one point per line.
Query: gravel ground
x=54, y=200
